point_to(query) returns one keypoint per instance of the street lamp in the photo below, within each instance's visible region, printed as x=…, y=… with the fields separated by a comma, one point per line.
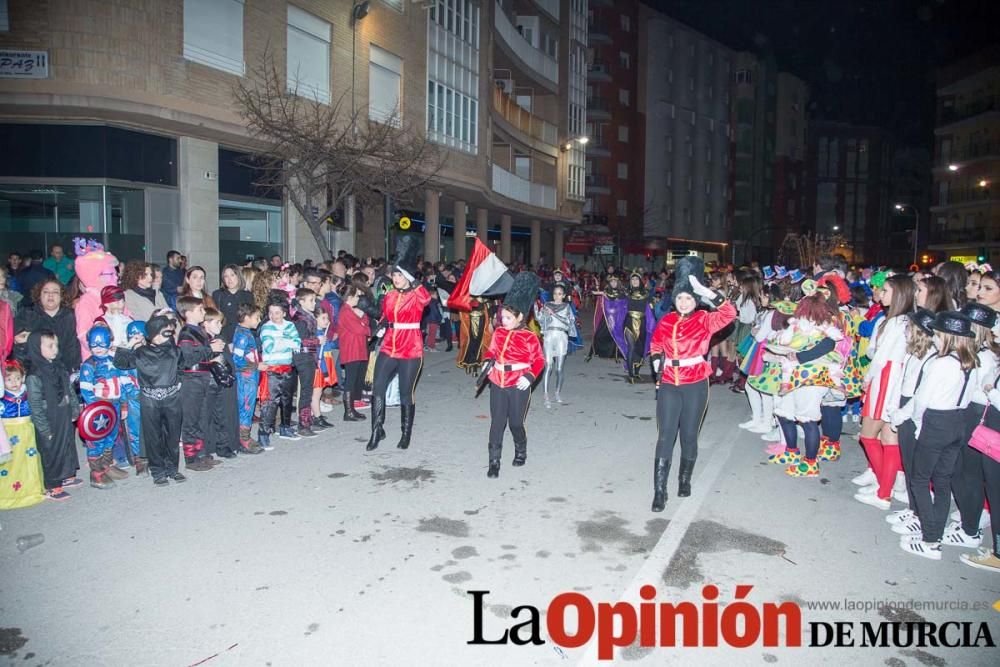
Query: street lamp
x=916, y=222
x=582, y=140
x=836, y=228
x=952, y=167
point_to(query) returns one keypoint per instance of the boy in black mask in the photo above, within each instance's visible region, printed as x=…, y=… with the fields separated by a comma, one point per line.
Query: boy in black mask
x=198, y=344
x=158, y=366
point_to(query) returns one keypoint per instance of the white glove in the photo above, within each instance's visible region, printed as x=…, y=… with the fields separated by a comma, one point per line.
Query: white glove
x=523, y=383
x=380, y=333
x=657, y=364
x=701, y=290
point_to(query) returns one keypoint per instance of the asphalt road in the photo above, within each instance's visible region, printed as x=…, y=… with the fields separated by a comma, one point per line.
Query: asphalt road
x=318, y=554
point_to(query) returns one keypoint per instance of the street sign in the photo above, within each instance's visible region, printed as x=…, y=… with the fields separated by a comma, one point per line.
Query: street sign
x=24, y=64
x=404, y=223
x=604, y=250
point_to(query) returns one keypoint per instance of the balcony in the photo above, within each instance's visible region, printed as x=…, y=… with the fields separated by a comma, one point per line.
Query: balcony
x=980, y=106
x=598, y=108
x=599, y=71
x=969, y=197
x=977, y=151
x=524, y=120
x=598, y=33
x=551, y=8
x=597, y=184
x=537, y=63
x=598, y=148
x=945, y=235
x=524, y=191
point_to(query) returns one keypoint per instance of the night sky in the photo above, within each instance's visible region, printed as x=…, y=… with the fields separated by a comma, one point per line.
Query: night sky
x=866, y=61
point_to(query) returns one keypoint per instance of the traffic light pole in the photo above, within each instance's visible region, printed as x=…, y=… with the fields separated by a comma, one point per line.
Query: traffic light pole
x=387, y=220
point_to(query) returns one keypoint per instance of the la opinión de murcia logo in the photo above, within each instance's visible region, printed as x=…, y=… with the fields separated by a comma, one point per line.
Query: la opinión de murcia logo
x=738, y=624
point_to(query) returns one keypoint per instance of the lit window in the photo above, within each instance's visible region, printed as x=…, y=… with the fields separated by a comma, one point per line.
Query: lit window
x=384, y=73
x=623, y=171
x=623, y=133
x=623, y=96
x=626, y=23
x=622, y=206
x=308, y=55
x=213, y=34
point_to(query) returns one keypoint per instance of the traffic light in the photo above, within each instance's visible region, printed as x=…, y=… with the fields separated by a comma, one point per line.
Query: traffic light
x=334, y=216
x=925, y=258
x=982, y=256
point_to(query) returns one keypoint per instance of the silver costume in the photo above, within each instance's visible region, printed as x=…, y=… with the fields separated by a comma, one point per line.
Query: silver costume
x=558, y=325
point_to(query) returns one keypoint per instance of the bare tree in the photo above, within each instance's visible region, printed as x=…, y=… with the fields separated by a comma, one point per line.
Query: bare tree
x=318, y=155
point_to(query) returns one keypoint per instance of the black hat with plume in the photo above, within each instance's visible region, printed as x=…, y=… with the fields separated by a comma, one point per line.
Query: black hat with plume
x=687, y=267
x=406, y=257
x=523, y=293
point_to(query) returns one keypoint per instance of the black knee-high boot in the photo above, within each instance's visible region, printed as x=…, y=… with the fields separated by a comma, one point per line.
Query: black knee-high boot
x=661, y=470
x=378, y=418
x=406, y=424
x=684, y=478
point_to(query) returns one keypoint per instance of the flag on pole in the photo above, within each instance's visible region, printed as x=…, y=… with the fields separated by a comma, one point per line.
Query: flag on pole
x=485, y=276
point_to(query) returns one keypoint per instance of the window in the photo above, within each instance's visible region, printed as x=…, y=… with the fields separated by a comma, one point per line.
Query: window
x=744, y=76
x=624, y=60
x=670, y=178
x=452, y=117
x=395, y=4
x=308, y=55
x=626, y=23
x=213, y=34
x=384, y=73
x=623, y=171
x=5, y=17
x=623, y=133
x=622, y=206
x=623, y=96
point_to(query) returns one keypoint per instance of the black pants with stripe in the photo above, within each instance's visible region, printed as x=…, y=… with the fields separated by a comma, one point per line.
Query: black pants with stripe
x=409, y=374
x=679, y=410
x=508, y=408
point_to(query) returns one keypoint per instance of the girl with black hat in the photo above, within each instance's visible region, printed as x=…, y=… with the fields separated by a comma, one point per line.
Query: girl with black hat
x=402, y=349
x=517, y=360
x=920, y=351
x=678, y=348
x=968, y=484
x=936, y=411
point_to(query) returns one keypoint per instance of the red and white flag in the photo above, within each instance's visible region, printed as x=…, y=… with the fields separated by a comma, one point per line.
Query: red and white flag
x=485, y=276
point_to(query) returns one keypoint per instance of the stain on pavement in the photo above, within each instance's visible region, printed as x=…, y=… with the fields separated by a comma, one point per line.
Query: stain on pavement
x=609, y=529
x=924, y=658
x=337, y=475
x=464, y=552
x=11, y=640
x=392, y=475
x=457, y=577
x=450, y=527
x=709, y=536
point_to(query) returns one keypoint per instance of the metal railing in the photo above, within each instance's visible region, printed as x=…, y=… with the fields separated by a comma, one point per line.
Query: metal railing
x=539, y=61
x=522, y=190
x=523, y=119
x=969, y=110
x=975, y=151
x=964, y=235
x=970, y=196
x=597, y=181
x=599, y=70
x=598, y=104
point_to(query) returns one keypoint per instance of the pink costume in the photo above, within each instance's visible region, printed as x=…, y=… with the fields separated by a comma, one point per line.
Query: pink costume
x=95, y=268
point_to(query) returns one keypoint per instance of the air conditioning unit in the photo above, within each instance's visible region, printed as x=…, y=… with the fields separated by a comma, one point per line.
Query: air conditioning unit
x=506, y=85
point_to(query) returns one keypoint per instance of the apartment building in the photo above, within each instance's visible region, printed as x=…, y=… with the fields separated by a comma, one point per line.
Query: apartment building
x=684, y=100
x=965, y=201
x=118, y=120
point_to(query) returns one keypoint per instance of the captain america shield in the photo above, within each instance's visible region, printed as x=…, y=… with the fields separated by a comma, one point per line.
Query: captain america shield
x=97, y=420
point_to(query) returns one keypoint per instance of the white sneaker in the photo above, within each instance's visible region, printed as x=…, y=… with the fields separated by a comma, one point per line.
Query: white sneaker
x=954, y=536
x=928, y=550
x=747, y=425
x=900, y=516
x=865, y=478
x=909, y=528
x=869, y=490
x=771, y=436
x=899, y=484
x=873, y=500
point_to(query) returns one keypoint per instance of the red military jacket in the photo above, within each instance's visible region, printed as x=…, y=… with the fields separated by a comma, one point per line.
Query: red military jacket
x=517, y=346
x=404, y=307
x=676, y=338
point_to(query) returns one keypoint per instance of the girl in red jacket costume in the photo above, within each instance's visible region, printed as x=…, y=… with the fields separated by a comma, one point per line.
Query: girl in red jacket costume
x=402, y=348
x=678, y=348
x=516, y=359
x=353, y=331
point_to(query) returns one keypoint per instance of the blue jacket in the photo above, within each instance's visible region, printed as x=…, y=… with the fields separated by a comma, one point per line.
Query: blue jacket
x=172, y=281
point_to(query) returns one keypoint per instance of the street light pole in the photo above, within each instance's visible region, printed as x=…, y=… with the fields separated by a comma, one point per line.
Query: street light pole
x=916, y=225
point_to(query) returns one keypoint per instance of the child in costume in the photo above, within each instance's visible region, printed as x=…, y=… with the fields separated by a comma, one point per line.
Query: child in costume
x=558, y=322
x=304, y=359
x=158, y=364
x=515, y=358
x=353, y=330
x=811, y=363
x=279, y=341
x=20, y=465
x=220, y=420
x=326, y=371
x=100, y=380
x=54, y=406
x=197, y=344
x=135, y=335
x=114, y=314
x=95, y=269
x=248, y=364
